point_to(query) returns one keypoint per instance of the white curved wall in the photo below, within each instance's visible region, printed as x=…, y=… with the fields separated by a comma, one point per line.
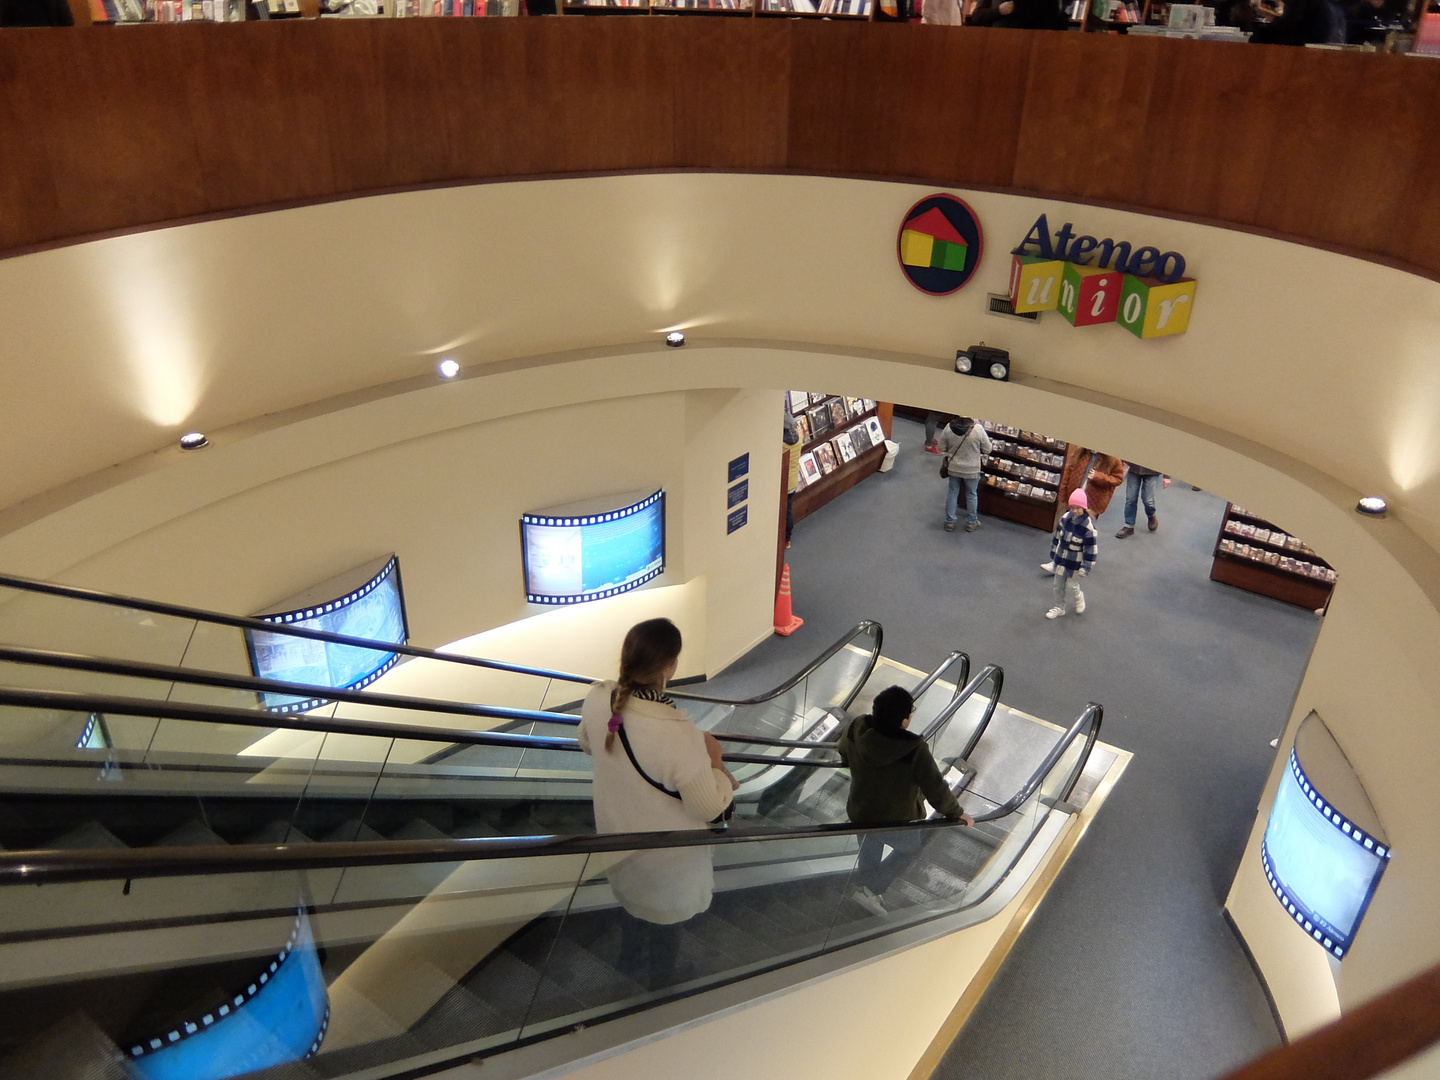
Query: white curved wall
x=304, y=342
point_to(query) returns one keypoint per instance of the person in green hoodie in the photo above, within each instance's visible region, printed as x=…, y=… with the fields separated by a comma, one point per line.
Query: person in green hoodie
x=892, y=776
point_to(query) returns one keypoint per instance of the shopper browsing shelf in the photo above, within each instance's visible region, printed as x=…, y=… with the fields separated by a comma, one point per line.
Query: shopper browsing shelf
x=1072, y=553
x=1140, y=485
x=963, y=445
x=654, y=771
x=892, y=776
x=791, y=442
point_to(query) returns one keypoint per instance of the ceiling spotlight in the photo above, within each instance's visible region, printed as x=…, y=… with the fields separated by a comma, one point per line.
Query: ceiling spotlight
x=193, y=441
x=449, y=368
x=1371, y=506
x=675, y=339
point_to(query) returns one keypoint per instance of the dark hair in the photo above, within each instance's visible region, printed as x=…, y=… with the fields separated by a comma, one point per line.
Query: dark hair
x=649, y=649
x=892, y=706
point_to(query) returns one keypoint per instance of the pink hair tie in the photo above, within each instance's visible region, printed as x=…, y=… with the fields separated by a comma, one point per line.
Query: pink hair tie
x=615, y=723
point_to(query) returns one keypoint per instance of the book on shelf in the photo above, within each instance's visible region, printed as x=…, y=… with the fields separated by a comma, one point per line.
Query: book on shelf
x=877, y=432
x=826, y=457
x=855, y=407
x=809, y=468
x=799, y=401
x=820, y=420
x=803, y=423
x=860, y=436
x=838, y=415
x=844, y=446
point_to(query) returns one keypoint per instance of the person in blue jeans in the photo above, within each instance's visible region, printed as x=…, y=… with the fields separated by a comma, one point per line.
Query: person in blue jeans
x=1140, y=485
x=963, y=445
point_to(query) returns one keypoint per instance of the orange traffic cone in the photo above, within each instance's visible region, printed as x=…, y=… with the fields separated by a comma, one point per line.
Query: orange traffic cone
x=786, y=621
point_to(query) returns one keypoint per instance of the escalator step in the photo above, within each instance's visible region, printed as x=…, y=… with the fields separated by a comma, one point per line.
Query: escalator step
x=75, y=1049
x=193, y=833
x=90, y=835
x=277, y=832
x=350, y=831
x=418, y=829
x=473, y=830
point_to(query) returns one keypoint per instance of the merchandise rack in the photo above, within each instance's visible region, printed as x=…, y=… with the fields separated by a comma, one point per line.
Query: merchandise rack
x=812, y=496
x=1252, y=554
x=1020, y=479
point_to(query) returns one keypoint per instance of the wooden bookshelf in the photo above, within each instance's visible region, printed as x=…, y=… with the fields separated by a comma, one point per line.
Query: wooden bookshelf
x=1250, y=553
x=816, y=493
x=1020, y=479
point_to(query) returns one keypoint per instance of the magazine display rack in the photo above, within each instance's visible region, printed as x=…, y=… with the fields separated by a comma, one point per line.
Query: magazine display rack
x=1251, y=553
x=842, y=441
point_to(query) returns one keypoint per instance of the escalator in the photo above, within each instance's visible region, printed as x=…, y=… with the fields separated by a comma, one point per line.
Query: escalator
x=434, y=918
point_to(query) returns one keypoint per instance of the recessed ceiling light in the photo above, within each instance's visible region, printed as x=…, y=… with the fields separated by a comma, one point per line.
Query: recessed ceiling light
x=675, y=339
x=449, y=368
x=193, y=441
x=1371, y=506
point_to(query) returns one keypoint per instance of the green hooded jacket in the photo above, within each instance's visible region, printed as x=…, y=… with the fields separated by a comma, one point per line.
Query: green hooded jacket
x=892, y=775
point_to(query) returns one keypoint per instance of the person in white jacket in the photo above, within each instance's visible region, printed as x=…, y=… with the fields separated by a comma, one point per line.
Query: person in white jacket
x=655, y=771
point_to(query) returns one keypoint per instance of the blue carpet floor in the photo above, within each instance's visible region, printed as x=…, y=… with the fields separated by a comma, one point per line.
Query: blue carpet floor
x=1128, y=969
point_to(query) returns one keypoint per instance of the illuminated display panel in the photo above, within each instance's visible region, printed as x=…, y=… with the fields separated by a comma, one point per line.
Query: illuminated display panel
x=281, y=1016
x=1322, y=867
x=374, y=610
x=571, y=559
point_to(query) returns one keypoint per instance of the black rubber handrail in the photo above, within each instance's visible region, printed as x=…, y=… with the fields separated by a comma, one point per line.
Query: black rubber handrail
x=74, y=701
x=38, y=867
x=244, y=622
x=1088, y=722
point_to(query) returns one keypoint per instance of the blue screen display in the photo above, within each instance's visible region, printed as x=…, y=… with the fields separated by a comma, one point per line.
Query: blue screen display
x=571, y=560
x=1322, y=867
x=376, y=610
x=280, y=1017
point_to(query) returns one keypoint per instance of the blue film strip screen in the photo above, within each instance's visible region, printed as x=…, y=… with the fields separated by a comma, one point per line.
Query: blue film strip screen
x=571, y=560
x=1322, y=867
x=375, y=610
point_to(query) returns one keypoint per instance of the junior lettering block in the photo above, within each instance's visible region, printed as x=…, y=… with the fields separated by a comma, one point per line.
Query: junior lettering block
x=1035, y=283
x=1149, y=308
x=1089, y=295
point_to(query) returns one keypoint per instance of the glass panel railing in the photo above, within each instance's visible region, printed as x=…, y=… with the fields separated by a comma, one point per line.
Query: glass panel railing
x=386, y=962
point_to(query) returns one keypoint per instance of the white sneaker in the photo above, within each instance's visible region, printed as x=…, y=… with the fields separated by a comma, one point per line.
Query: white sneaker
x=870, y=902
x=1055, y=613
x=1048, y=567
x=1079, y=603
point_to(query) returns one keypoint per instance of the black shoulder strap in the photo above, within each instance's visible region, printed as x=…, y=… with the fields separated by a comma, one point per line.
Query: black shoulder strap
x=625, y=742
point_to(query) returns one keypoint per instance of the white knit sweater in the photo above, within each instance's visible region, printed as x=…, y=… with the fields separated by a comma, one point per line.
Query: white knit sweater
x=668, y=885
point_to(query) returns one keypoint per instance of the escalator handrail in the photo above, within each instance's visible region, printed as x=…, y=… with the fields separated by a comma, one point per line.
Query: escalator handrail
x=1088, y=723
x=244, y=622
x=196, y=676
x=991, y=672
x=56, y=865
x=863, y=626
x=117, y=705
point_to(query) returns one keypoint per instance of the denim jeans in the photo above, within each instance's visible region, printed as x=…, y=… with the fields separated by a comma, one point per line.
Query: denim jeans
x=1136, y=489
x=877, y=872
x=1067, y=588
x=972, y=499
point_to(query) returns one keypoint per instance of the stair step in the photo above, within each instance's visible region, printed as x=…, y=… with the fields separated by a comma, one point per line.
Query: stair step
x=418, y=829
x=87, y=836
x=194, y=833
x=277, y=832
x=351, y=831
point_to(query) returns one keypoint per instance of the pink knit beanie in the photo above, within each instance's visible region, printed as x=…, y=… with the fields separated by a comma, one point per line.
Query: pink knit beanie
x=1077, y=498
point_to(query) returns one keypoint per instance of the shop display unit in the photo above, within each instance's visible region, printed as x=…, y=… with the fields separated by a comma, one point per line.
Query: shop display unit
x=842, y=441
x=1020, y=479
x=815, y=9
x=1251, y=553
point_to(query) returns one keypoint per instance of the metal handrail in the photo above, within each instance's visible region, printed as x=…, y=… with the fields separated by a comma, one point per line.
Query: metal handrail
x=1090, y=718
x=809, y=669
x=244, y=622
x=991, y=672
x=73, y=701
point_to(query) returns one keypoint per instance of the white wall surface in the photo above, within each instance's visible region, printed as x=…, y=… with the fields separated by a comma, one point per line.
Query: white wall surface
x=1306, y=379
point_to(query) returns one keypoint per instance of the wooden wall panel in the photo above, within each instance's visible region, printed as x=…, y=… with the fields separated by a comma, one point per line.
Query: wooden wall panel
x=107, y=129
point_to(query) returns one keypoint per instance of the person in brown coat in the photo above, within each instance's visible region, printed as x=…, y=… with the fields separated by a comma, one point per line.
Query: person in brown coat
x=1106, y=475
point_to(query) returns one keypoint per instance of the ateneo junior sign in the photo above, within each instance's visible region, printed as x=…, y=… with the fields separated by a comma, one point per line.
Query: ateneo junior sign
x=1092, y=281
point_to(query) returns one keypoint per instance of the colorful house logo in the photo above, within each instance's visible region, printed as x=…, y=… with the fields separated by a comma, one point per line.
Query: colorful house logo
x=939, y=244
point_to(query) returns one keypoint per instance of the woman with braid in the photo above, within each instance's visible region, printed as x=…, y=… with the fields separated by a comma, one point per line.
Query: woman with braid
x=655, y=771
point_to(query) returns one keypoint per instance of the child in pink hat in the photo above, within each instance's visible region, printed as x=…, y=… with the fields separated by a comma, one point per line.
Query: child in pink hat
x=1072, y=552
